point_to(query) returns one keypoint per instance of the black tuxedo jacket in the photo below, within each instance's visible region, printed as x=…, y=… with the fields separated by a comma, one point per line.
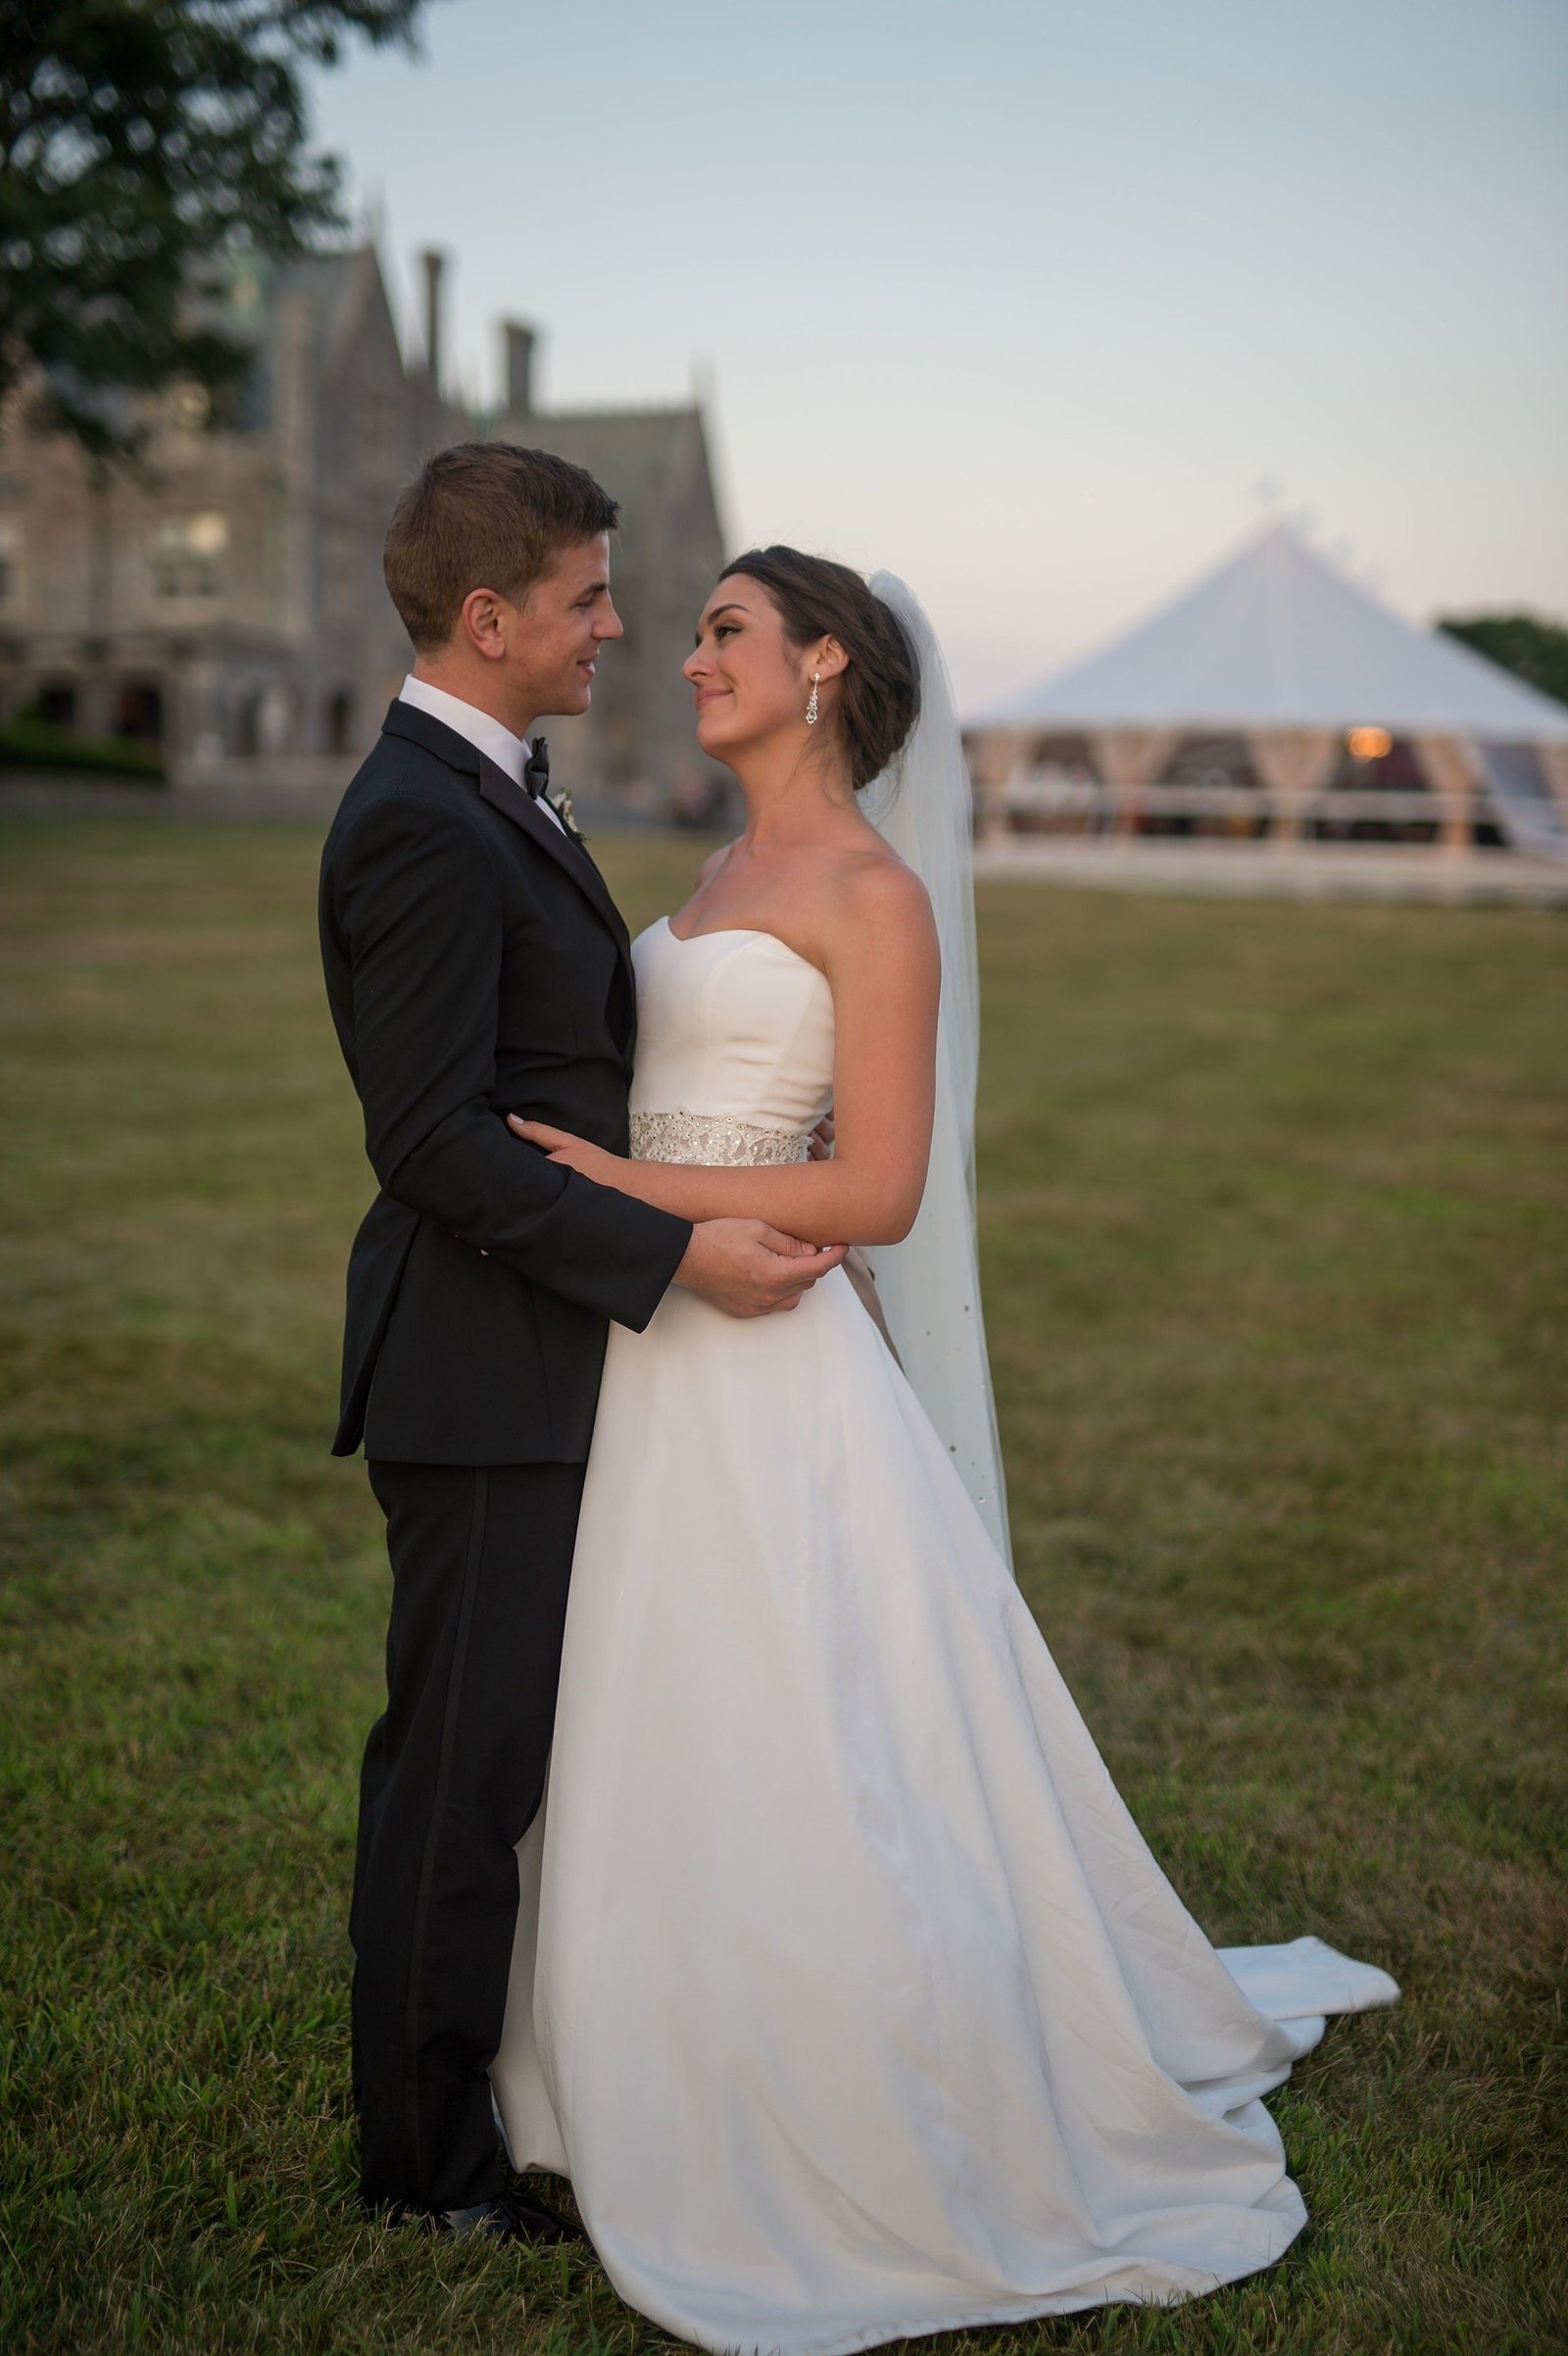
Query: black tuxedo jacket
x=477, y=966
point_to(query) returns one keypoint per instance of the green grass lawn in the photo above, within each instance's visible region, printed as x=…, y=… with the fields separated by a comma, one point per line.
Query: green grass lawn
x=1273, y=1204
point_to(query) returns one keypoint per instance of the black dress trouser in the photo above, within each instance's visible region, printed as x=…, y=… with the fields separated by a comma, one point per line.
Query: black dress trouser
x=454, y=1773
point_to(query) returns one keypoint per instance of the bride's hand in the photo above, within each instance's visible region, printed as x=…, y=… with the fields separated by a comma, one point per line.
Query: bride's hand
x=593, y=1161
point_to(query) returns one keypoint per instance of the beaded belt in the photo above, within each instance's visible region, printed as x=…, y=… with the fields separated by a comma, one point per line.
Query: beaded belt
x=712, y=1140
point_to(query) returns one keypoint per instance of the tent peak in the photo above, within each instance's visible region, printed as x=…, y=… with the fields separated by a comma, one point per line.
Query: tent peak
x=1277, y=636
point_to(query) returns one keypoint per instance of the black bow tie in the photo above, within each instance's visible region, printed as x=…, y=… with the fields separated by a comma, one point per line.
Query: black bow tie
x=536, y=768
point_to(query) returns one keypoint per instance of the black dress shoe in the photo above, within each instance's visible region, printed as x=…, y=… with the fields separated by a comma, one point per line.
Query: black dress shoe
x=511, y=2216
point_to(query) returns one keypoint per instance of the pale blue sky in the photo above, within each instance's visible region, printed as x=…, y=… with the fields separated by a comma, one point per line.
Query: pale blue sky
x=1023, y=299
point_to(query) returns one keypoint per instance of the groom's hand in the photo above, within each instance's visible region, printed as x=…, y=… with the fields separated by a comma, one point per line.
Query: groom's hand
x=748, y=1269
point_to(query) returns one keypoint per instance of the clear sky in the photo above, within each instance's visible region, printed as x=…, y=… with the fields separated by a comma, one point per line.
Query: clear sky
x=1025, y=298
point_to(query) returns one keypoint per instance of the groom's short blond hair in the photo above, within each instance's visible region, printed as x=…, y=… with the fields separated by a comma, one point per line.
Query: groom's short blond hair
x=484, y=516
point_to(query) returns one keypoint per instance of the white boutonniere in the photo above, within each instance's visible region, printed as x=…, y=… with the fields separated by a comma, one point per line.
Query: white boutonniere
x=561, y=803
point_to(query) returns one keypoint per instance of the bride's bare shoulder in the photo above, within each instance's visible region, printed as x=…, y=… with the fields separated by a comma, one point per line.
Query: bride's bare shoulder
x=872, y=894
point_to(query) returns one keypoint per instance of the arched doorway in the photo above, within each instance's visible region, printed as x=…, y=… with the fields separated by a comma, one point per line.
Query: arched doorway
x=139, y=712
x=339, y=729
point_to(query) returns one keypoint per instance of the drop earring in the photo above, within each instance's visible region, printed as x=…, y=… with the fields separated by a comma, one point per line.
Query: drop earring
x=810, y=709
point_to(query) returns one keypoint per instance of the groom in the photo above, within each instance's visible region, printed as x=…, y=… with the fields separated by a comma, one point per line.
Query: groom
x=477, y=966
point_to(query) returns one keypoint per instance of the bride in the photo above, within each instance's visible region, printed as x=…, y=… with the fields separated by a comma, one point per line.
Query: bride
x=844, y=1988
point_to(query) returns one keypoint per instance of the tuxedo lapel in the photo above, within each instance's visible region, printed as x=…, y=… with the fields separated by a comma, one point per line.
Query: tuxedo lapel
x=515, y=802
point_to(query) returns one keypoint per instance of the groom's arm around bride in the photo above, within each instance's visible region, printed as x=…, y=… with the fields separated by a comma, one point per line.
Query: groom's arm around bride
x=415, y=906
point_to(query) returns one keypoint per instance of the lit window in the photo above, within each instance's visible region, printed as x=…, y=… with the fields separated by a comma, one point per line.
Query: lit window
x=188, y=554
x=190, y=408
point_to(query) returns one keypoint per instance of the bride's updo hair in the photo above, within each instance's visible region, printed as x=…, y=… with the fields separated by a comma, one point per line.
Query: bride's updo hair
x=878, y=694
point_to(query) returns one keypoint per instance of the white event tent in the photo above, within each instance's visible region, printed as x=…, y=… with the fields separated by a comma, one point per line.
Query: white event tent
x=1279, y=648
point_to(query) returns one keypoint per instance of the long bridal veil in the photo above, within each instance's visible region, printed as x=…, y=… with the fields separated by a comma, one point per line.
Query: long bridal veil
x=929, y=1285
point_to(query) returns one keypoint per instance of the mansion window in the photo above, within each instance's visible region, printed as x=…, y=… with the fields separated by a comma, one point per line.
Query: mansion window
x=344, y=553
x=187, y=555
x=189, y=408
x=375, y=436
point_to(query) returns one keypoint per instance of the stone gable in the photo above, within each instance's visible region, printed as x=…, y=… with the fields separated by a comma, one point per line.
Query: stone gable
x=226, y=599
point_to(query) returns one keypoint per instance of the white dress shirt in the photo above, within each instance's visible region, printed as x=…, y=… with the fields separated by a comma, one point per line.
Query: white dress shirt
x=477, y=728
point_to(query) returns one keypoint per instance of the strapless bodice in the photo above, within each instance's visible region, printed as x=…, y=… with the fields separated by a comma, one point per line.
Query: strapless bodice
x=734, y=1048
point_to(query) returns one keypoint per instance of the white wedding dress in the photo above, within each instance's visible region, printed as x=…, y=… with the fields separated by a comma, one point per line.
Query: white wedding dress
x=846, y=1990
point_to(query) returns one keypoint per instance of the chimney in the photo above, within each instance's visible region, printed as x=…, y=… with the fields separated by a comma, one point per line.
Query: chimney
x=435, y=264
x=519, y=343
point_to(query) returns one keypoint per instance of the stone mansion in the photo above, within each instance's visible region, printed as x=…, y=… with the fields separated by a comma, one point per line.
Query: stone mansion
x=224, y=600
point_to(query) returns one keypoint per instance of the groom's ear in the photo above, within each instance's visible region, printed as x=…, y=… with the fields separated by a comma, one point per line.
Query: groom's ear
x=482, y=620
